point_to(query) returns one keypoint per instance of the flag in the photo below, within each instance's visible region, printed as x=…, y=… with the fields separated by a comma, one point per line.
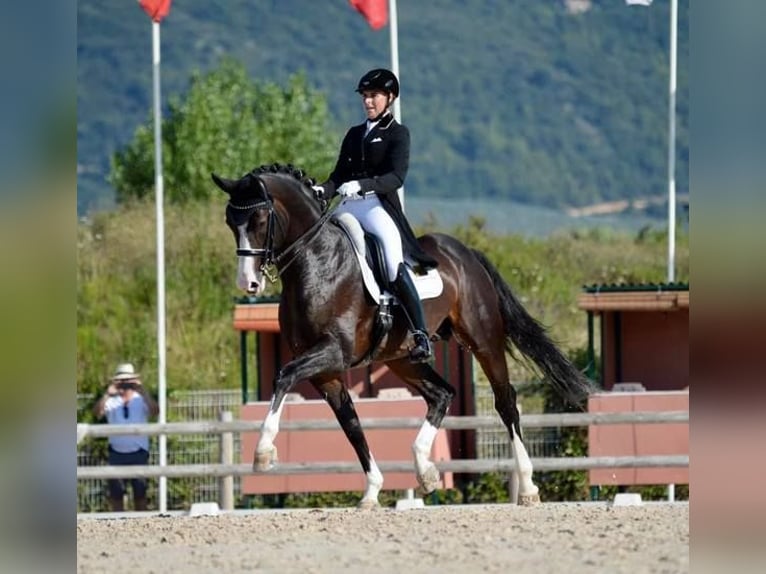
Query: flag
x=156, y=9
x=374, y=11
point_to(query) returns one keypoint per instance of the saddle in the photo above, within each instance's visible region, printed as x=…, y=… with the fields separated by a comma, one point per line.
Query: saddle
x=372, y=262
x=369, y=254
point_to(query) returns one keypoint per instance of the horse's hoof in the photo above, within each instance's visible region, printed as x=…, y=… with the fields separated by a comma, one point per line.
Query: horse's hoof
x=529, y=499
x=368, y=504
x=264, y=461
x=430, y=480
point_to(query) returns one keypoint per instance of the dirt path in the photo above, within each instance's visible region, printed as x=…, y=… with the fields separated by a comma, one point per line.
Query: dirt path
x=560, y=538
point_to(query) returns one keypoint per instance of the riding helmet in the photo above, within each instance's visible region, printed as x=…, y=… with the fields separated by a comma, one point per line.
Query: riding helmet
x=379, y=79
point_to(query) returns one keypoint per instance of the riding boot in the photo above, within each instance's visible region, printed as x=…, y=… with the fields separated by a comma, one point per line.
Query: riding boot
x=405, y=290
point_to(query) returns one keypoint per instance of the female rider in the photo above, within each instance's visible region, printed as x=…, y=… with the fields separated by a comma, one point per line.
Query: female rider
x=372, y=164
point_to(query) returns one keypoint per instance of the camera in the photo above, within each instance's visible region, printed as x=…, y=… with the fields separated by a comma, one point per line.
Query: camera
x=126, y=385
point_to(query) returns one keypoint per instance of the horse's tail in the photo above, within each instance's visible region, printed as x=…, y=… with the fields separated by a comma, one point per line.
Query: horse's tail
x=531, y=339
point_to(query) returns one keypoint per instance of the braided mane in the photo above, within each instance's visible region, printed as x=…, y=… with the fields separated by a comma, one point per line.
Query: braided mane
x=287, y=169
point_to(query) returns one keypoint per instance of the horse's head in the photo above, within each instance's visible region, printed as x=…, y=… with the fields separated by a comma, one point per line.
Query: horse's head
x=262, y=206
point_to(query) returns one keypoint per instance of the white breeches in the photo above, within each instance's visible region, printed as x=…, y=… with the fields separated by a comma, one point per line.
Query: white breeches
x=375, y=220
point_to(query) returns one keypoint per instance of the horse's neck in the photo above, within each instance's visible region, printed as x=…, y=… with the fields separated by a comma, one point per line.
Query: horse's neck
x=320, y=255
x=298, y=221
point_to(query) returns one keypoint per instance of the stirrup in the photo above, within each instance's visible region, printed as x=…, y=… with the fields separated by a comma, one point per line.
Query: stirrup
x=421, y=352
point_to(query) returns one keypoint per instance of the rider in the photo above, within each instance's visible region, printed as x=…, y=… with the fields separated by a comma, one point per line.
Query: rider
x=372, y=164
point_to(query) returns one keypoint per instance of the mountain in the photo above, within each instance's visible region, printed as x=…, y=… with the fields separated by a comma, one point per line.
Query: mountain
x=558, y=103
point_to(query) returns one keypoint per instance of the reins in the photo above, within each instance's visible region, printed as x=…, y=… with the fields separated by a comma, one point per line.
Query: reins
x=302, y=241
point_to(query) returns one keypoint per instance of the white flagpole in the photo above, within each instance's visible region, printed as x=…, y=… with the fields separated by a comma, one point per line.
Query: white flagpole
x=671, y=133
x=672, y=142
x=394, y=34
x=159, y=196
x=394, y=30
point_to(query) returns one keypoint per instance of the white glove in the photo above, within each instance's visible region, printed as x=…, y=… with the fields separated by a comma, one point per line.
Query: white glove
x=350, y=189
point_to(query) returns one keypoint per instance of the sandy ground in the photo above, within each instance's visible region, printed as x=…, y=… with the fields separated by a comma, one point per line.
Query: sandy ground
x=560, y=538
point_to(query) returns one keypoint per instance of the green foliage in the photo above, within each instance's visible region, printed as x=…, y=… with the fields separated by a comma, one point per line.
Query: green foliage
x=566, y=485
x=227, y=124
x=488, y=488
x=650, y=492
x=116, y=300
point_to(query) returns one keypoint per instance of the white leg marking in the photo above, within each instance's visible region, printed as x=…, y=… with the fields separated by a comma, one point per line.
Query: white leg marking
x=523, y=467
x=270, y=428
x=374, y=484
x=421, y=448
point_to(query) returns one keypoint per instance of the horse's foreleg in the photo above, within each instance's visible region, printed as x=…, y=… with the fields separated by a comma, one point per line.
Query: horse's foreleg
x=266, y=452
x=321, y=358
x=337, y=397
x=438, y=396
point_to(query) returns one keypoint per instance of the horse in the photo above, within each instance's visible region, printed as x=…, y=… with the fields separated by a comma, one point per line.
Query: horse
x=326, y=317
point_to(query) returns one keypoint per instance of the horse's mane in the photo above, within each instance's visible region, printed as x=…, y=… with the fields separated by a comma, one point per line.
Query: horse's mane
x=286, y=169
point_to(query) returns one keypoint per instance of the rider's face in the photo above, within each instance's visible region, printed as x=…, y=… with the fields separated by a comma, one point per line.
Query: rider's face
x=375, y=102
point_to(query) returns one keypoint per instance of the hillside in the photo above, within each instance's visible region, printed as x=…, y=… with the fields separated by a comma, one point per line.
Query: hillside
x=546, y=103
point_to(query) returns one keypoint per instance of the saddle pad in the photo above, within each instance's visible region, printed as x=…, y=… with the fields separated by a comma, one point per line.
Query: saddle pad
x=429, y=285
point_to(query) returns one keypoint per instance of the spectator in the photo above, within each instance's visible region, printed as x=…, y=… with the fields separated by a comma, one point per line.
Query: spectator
x=126, y=401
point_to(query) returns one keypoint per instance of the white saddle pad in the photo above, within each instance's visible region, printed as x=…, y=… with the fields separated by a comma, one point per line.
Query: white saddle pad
x=429, y=285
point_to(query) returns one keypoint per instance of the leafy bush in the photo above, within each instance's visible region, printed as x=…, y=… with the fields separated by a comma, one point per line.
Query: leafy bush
x=227, y=124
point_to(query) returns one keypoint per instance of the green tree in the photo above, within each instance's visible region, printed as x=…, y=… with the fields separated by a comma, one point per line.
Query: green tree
x=227, y=123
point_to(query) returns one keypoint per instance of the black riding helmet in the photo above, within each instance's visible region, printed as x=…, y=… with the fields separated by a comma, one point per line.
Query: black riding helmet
x=379, y=79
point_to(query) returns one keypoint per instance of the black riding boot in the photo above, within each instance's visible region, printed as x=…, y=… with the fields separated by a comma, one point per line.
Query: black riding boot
x=408, y=297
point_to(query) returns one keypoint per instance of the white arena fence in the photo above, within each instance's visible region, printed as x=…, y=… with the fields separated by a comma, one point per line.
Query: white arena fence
x=206, y=405
x=227, y=468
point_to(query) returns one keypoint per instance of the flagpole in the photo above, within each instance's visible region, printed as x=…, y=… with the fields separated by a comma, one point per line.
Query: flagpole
x=394, y=35
x=672, y=141
x=159, y=197
x=671, y=132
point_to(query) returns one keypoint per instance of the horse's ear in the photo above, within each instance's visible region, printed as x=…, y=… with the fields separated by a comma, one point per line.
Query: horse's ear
x=225, y=184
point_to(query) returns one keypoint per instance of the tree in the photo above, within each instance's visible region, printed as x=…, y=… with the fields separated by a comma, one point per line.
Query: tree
x=229, y=124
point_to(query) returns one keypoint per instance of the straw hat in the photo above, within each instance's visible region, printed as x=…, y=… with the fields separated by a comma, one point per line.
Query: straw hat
x=124, y=372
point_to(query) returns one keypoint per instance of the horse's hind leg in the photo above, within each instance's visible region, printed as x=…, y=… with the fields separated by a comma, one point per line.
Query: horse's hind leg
x=495, y=368
x=337, y=397
x=438, y=395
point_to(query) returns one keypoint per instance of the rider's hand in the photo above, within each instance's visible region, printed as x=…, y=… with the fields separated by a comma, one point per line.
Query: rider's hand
x=319, y=192
x=350, y=189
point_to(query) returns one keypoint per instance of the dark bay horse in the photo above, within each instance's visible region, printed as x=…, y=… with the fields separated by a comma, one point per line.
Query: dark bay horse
x=326, y=319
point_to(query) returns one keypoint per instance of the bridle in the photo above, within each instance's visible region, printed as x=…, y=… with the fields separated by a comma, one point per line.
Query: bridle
x=272, y=263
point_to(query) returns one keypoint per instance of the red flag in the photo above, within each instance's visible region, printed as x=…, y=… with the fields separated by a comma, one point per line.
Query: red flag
x=157, y=9
x=374, y=11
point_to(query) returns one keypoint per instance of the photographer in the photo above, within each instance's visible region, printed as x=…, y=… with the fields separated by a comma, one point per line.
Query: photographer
x=127, y=402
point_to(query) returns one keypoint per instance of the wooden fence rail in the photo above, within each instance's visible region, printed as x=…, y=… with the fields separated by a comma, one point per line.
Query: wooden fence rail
x=226, y=470
x=463, y=465
x=449, y=423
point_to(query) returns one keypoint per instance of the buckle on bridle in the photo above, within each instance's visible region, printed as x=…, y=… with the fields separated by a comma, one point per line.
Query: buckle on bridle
x=270, y=271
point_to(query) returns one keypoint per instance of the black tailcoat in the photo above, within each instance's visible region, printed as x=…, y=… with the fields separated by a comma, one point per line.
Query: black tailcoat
x=379, y=161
